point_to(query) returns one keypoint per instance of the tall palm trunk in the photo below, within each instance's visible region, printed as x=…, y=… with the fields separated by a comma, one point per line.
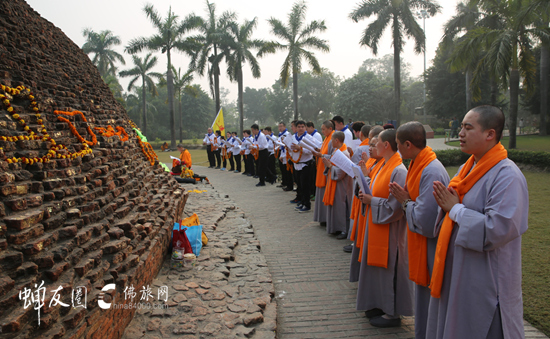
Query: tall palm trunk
x=544, y=61
x=181, y=117
x=216, y=71
x=170, y=87
x=514, y=95
x=397, y=82
x=468, y=90
x=144, y=103
x=241, y=105
x=494, y=92
x=295, y=93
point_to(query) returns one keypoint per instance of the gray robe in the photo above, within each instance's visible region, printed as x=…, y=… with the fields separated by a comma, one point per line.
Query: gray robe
x=388, y=289
x=483, y=263
x=320, y=211
x=421, y=216
x=357, y=153
x=338, y=213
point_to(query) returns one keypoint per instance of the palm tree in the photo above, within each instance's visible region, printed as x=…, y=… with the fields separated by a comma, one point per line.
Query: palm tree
x=297, y=39
x=509, y=54
x=214, y=32
x=170, y=31
x=142, y=70
x=100, y=44
x=400, y=14
x=135, y=103
x=182, y=86
x=238, y=52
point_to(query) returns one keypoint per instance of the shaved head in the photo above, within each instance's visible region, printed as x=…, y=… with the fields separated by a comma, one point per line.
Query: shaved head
x=413, y=132
x=490, y=117
x=339, y=135
x=389, y=136
x=375, y=130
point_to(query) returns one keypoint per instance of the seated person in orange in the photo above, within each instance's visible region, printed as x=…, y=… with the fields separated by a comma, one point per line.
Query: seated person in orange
x=185, y=160
x=164, y=147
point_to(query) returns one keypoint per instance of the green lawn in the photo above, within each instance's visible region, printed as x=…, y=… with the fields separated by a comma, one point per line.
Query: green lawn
x=524, y=143
x=535, y=249
x=198, y=156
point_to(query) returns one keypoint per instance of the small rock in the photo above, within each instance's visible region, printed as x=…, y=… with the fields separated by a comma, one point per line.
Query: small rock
x=253, y=318
x=247, y=332
x=199, y=311
x=192, y=285
x=211, y=329
x=201, y=291
x=157, y=313
x=154, y=325
x=190, y=328
x=205, y=284
x=171, y=303
x=260, y=302
x=178, y=298
x=181, y=288
x=236, y=308
x=253, y=309
x=185, y=307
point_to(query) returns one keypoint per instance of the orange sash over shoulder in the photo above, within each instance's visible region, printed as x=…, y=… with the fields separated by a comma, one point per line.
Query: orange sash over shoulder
x=417, y=243
x=379, y=234
x=356, y=205
x=320, y=179
x=362, y=224
x=462, y=183
x=330, y=190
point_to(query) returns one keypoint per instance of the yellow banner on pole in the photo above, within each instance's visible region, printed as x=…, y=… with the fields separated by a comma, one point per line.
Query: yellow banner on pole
x=218, y=124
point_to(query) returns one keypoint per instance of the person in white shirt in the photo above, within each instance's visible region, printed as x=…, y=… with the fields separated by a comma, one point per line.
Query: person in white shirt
x=339, y=125
x=217, y=150
x=303, y=166
x=236, y=151
x=310, y=128
x=248, y=158
x=209, y=140
x=260, y=143
x=271, y=176
x=287, y=182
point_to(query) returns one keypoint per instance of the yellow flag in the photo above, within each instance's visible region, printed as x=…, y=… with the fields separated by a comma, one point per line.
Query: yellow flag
x=218, y=124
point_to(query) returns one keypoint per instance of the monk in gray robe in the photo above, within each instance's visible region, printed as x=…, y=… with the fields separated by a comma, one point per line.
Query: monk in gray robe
x=338, y=203
x=320, y=212
x=421, y=210
x=384, y=289
x=484, y=212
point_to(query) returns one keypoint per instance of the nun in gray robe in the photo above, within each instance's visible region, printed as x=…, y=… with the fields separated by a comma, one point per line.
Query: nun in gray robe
x=481, y=293
x=421, y=216
x=320, y=211
x=388, y=289
x=338, y=213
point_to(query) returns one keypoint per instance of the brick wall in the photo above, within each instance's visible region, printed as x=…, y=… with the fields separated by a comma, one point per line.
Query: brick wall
x=96, y=219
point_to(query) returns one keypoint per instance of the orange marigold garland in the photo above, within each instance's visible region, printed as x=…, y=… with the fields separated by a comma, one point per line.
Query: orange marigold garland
x=73, y=129
x=147, y=149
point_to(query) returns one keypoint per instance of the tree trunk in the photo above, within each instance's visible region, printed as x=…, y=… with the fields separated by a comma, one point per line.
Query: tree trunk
x=295, y=93
x=144, y=103
x=216, y=71
x=240, y=99
x=170, y=87
x=397, y=81
x=514, y=96
x=468, y=90
x=181, y=118
x=544, y=61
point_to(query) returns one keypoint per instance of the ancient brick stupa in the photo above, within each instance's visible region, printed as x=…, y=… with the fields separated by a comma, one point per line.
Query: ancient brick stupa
x=83, y=201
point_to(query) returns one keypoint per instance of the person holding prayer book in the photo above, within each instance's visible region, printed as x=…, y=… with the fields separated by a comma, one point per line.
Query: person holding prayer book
x=421, y=210
x=340, y=126
x=271, y=173
x=286, y=174
x=209, y=140
x=320, y=212
x=338, y=191
x=303, y=162
x=260, y=144
x=217, y=149
x=310, y=128
x=236, y=151
x=476, y=279
x=384, y=288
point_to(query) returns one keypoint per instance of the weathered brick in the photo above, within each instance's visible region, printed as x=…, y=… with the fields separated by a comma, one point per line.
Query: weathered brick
x=10, y=259
x=28, y=268
x=37, y=245
x=57, y=270
x=35, y=200
x=123, y=211
x=116, y=233
x=13, y=189
x=18, y=238
x=6, y=178
x=23, y=220
x=75, y=256
x=6, y=284
x=3, y=244
x=56, y=221
x=84, y=266
x=73, y=213
x=74, y=317
x=96, y=243
x=43, y=260
x=17, y=204
x=2, y=209
x=68, y=232
x=115, y=246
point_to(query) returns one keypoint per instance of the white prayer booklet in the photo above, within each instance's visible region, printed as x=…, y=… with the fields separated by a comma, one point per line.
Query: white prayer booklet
x=306, y=146
x=239, y=141
x=311, y=140
x=174, y=158
x=340, y=160
x=275, y=141
x=310, y=143
x=361, y=180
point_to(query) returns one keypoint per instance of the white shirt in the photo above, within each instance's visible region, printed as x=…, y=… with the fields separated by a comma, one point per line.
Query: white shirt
x=260, y=141
x=282, y=154
x=348, y=139
x=317, y=136
x=306, y=154
x=208, y=139
x=270, y=146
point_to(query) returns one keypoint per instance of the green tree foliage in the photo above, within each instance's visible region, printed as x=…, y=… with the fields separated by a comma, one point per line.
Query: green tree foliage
x=297, y=39
x=383, y=68
x=255, y=109
x=279, y=103
x=101, y=44
x=317, y=95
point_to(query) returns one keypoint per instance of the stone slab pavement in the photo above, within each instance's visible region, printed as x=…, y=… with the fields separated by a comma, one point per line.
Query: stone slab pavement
x=308, y=267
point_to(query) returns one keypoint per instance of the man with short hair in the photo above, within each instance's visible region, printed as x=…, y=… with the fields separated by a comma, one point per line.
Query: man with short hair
x=248, y=157
x=209, y=140
x=384, y=288
x=217, y=149
x=236, y=150
x=310, y=128
x=303, y=162
x=421, y=210
x=340, y=126
x=271, y=173
x=476, y=279
x=260, y=144
x=338, y=191
x=286, y=175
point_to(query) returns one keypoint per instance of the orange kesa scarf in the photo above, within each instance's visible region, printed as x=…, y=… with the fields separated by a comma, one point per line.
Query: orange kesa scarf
x=320, y=179
x=330, y=190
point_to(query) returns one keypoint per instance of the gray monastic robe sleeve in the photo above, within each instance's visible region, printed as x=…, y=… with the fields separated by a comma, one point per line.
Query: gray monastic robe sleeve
x=385, y=211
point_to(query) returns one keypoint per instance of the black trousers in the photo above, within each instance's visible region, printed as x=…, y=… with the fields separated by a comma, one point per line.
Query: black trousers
x=238, y=161
x=218, y=158
x=210, y=155
x=271, y=171
x=250, y=162
x=303, y=177
x=231, y=163
x=286, y=176
x=262, y=165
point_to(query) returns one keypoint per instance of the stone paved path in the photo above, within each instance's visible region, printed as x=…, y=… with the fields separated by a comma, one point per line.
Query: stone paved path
x=308, y=267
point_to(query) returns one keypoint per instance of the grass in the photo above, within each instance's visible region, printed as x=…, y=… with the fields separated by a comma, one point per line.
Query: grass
x=198, y=156
x=535, y=249
x=524, y=143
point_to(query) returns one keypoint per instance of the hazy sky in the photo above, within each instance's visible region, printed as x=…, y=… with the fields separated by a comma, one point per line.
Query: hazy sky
x=126, y=19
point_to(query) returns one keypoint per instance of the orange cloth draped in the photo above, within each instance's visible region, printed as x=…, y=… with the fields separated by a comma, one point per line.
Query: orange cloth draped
x=330, y=190
x=417, y=243
x=356, y=204
x=362, y=223
x=185, y=159
x=462, y=183
x=320, y=179
x=379, y=234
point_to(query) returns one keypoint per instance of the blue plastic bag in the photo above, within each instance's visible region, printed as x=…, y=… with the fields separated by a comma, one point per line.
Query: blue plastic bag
x=194, y=234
